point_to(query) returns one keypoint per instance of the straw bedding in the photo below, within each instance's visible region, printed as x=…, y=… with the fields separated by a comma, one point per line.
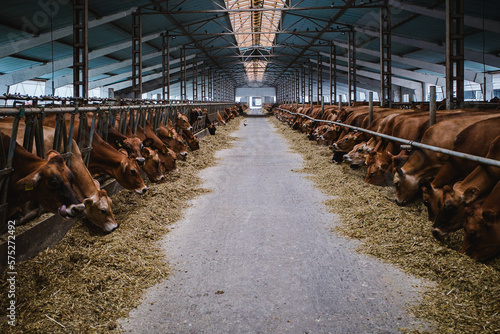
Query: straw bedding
x=89, y=280
x=466, y=296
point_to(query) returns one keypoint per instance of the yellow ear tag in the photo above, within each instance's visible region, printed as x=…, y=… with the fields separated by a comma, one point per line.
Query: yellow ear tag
x=120, y=145
x=169, y=135
x=87, y=206
x=28, y=187
x=164, y=150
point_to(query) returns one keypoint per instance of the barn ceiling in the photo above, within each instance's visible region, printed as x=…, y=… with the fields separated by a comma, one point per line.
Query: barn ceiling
x=252, y=43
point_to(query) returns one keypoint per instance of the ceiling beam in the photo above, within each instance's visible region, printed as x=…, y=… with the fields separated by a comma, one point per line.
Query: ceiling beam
x=23, y=43
x=470, y=21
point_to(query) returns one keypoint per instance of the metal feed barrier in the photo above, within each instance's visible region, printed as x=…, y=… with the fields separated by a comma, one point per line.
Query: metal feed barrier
x=100, y=113
x=411, y=144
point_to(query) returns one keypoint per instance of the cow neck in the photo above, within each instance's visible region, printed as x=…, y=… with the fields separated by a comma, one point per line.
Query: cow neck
x=84, y=182
x=104, y=154
x=24, y=162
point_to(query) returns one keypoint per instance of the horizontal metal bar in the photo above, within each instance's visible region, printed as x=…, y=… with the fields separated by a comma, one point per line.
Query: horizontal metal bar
x=482, y=160
x=253, y=10
x=14, y=111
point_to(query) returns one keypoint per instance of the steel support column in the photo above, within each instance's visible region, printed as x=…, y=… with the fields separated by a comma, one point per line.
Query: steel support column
x=333, y=74
x=303, y=84
x=320, y=79
x=297, y=86
x=166, y=66
x=203, y=83
x=310, y=82
x=137, y=54
x=81, y=49
x=454, y=53
x=351, y=97
x=385, y=57
x=183, y=73
x=210, y=84
x=195, y=79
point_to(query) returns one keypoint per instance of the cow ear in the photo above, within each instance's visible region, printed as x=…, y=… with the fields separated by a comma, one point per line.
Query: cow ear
x=119, y=142
x=122, y=151
x=145, y=152
x=148, y=142
x=170, y=124
x=164, y=149
x=489, y=216
x=124, y=164
x=390, y=155
x=470, y=194
x=447, y=189
x=97, y=184
x=88, y=202
x=29, y=182
x=54, y=157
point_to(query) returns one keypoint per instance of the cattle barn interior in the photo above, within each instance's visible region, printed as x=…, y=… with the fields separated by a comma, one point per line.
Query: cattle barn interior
x=109, y=109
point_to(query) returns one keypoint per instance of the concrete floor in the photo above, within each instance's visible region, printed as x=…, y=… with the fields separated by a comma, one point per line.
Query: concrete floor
x=257, y=255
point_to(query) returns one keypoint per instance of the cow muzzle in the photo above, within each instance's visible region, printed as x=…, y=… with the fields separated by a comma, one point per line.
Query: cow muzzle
x=437, y=233
x=142, y=190
x=190, y=128
x=110, y=227
x=140, y=161
x=72, y=211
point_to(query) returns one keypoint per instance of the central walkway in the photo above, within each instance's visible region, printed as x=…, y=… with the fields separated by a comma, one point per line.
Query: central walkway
x=257, y=255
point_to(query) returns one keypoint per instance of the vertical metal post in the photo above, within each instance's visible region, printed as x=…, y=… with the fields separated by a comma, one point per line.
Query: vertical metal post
x=195, y=79
x=81, y=49
x=370, y=107
x=432, y=106
x=297, y=86
x=183, y=73
x=137, y=54
x=340, y=102
x=385, y=57
x=203, y=83
x=166, y=65
x=454, y=53
x=320, y=79
x=210, y=85
x=351, y=67
x=303, y=84
x=310, y=87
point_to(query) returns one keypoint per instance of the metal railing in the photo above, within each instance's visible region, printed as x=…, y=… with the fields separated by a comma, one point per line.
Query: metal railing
x=119, y=114
x=481, y=160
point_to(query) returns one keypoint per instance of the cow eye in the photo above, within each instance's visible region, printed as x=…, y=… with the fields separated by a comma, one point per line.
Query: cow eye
x=53, y=182
x=133, y=172
x=426, y=203
x=104, y=211
x=472, y=234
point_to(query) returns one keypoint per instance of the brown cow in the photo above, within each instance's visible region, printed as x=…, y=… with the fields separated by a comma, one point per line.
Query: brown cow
x=448, y=204
x=167, y=156
x=97, y=203
x=153, y=166
x=183, y=122
x=191, y=140
x=423, y=163
x=482, y=228
x=173, y=140
x=105, y=159
x=46, y=181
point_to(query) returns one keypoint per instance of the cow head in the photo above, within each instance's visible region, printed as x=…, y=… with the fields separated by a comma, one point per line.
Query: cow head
x=346, y=143
x=431, y=198
x=191, y=140
x=174, y=141
x=482, y=233
x=406, y=181
x=378, y=171
x=128, y=175
x=153, y=166
x=50, y=185
x=168, y=159
x=183, y=122
x=98, y=210
x=450, y=215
